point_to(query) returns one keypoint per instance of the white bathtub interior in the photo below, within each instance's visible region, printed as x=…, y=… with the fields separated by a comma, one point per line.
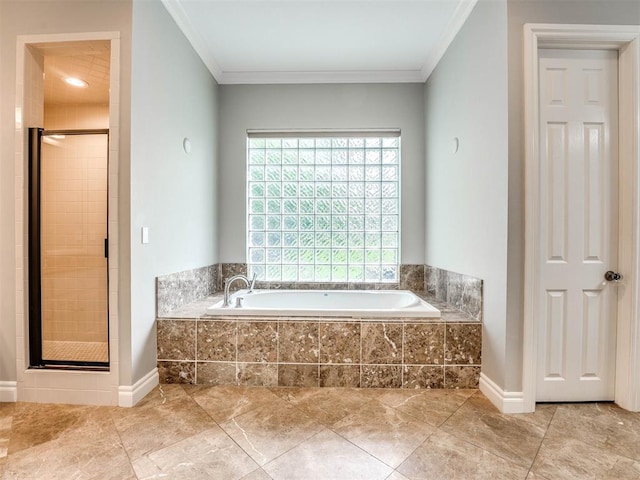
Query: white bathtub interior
x=326, y=303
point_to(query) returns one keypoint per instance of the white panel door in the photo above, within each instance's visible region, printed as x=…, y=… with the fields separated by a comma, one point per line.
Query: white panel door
x=578, y=225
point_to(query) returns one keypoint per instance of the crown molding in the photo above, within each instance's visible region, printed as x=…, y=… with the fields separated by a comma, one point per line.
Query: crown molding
x=455, y=24
x=371, y=76
x=182, y=20
x=460, y=15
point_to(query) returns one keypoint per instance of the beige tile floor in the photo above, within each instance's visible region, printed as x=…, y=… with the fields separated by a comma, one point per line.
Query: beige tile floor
x=191, y=432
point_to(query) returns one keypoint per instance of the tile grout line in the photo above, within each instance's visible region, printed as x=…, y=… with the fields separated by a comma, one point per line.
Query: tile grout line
x=533, y=461
x=414, y=451
x=402, y=359
x=115, y=427
x=361, y=363
x=393, y=469
x=471, y=441
x=318, y=356
x=195, y=353
x=236, y=337
x=444, y=357
x=223, y=430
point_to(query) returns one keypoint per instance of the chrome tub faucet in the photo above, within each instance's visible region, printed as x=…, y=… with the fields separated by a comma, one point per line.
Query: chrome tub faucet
x=227, y=284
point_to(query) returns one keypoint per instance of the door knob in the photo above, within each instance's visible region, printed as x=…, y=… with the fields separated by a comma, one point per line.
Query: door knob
x=612, y=276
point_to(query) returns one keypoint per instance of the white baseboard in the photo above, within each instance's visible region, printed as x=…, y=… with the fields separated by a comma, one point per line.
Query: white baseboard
x=506, y=402
x=129, y=396
x=8, y=391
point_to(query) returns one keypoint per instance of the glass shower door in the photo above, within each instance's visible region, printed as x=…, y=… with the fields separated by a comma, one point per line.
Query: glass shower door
x=73, y=174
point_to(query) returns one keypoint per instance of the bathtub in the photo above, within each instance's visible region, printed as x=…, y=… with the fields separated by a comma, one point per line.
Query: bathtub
x=327, y=303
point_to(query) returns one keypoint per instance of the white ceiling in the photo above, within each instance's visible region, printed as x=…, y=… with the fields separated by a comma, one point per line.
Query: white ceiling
x=312, y=41
x=88, y=61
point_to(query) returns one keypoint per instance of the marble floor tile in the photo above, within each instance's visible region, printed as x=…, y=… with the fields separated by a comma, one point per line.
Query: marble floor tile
x=603, y=425
x=225, y=403
x=63, y=442
x=384, y=432
x=269, y=431
x=198, y=431
x=512, y=437
x=62, y=462
x=395, y=475
x=36, y=424
x=206, y=455
x=258, y=474
x=327, y=456
x=144, y=430
x=445, y=457
x=429, y=406
x=162, y=394
x=570, y=459
x=325, y=405
x=537, y=476
x=6, y=418
x=534, y=476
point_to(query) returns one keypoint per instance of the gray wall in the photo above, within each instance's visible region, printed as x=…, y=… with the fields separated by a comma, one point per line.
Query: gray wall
x=614, y=12
x=173, y=96
x=319, y=106
x=31, y=18
x=466, y=200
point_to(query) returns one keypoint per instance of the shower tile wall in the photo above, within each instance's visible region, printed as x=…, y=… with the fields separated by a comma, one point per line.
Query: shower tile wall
x=74, y=227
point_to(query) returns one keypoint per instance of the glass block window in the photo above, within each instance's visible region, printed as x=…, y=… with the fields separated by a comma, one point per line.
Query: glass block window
x=323, y=208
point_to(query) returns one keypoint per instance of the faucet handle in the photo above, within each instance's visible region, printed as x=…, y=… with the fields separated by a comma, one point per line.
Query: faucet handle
x=253, y=282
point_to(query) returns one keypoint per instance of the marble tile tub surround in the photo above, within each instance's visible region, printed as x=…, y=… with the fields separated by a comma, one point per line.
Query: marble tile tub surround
x=463, y=292
x=336, y=352
x=273, y=351
x=456, y=289
x=178, y=289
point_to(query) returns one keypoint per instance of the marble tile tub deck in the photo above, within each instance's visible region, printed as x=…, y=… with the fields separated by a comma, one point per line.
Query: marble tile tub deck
x=194, y=348
x=227, y=433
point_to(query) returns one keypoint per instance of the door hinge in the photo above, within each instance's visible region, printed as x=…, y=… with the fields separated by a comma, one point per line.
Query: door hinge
x=106, y=248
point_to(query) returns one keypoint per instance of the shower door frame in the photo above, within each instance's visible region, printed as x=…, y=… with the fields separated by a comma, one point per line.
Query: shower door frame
x=35, y=251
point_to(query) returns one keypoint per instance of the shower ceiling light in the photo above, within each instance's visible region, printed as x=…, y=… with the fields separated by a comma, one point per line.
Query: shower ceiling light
x=76, y=82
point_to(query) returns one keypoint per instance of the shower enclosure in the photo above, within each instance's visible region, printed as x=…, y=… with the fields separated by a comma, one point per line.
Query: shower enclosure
x=68, y=257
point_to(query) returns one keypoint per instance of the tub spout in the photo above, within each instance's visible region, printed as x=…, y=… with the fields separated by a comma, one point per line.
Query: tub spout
x=227, y=285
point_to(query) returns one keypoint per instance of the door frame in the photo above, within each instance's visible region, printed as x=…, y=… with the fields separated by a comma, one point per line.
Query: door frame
x=53, y=385
x=626, y=40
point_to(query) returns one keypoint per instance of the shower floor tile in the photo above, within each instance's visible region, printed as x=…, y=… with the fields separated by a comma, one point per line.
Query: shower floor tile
x=75, y=351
